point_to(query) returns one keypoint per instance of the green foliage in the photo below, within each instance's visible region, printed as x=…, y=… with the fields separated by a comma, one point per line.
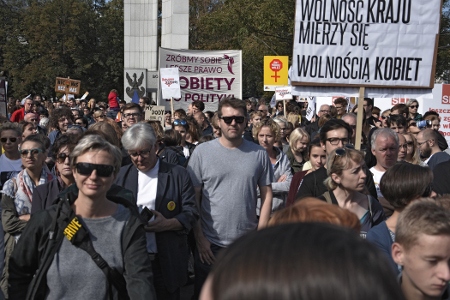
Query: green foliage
x=63, y=38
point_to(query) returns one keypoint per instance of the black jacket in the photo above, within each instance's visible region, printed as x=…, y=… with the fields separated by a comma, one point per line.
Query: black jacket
x=174, y=187
x=42, y=238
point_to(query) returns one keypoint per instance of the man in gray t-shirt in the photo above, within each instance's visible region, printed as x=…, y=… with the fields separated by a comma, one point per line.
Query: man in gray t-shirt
x=226, y=173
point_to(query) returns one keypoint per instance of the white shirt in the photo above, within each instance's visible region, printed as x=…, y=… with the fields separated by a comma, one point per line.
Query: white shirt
x=376, y=180
x=146, y=197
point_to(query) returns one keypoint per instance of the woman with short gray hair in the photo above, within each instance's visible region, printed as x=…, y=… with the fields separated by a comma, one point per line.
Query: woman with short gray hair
x=102, y=232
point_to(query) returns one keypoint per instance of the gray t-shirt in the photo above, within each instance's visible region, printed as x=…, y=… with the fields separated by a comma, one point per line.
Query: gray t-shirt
x=74, y=275
x=230, y=178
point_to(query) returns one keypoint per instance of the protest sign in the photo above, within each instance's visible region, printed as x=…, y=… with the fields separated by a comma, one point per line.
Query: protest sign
x=155, y=113
x=208, y=76
x=374, y=43
x=311, y=110
x=170, y=83
x=283, y=93
x=275, y=72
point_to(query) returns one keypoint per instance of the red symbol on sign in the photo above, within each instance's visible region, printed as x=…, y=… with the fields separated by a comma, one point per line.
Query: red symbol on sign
x=276, y=65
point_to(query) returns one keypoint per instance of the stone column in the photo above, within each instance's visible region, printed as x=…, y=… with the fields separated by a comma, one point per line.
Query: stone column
x=175, y=24
x=140, y=44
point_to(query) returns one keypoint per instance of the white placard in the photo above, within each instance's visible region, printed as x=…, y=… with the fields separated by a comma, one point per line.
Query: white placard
x=208, y=76
x=283, y=93
x=170, y=83
x=365, y=43
x=311, y=110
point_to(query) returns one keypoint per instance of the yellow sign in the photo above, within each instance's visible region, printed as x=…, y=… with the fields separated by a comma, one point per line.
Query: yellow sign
x=275, y=72
x=67, y=86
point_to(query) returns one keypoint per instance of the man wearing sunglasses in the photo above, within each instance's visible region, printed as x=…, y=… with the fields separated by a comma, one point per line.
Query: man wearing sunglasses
x=132, y=113
x=10, y=162
x=333, y=134
x=167, y=192
x=226, y=173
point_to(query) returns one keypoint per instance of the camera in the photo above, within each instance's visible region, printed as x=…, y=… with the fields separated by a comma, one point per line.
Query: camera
x=424, y=123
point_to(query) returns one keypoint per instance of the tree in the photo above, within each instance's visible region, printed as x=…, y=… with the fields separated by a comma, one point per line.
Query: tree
x=65, y=38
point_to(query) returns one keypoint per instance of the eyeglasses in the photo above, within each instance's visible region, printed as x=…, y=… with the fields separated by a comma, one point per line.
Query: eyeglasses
x=86, y=169
x=61, y=158
x=229, y=120
x=179, y=122
x=134, y=115
x=335, y=141
x=410, y=144
x=34, y=152
x=11, y=139
x=63, y=119
x=414, y=106
x=324, y=111
x=143, y=153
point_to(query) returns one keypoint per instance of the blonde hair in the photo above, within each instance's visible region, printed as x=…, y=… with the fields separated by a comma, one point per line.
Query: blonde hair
x=296, y=135
x=336, y=164
x=294, y=119
x=267, y=122
x=415, y=157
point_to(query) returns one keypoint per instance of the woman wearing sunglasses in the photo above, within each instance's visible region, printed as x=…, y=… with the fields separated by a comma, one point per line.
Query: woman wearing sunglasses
x=45, y=194
x=67, y=250
x=17, y=195
x=346, y=187
x=267, y=132
x=413, y=106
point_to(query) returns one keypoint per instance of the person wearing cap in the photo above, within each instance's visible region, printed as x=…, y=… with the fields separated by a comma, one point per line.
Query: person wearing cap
x=19, y=114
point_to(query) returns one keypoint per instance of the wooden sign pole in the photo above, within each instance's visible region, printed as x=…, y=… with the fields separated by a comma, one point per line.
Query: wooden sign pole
x=359, y=118
x=171, y=106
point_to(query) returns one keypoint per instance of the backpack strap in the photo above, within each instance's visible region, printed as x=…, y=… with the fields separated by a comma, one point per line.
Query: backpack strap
x=78, y=235
x=328, y=197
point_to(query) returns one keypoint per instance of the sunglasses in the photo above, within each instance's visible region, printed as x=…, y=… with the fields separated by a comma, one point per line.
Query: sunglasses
x=179, y=122
x=342, y=151
x=11, y=139
x=229, y=120
x=34, y=152
x=87, y=168
x=61, y=158
x=414, y=106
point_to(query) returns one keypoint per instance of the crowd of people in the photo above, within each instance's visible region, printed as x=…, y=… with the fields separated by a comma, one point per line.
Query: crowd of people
x=99, y=203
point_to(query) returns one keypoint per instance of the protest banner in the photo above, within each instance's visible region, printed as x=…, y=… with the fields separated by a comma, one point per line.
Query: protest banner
x=366, y=43
x=67, y=86
x=208, y=76
x=283, y=93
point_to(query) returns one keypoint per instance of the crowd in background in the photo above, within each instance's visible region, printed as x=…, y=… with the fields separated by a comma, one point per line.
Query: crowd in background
x=310, y=171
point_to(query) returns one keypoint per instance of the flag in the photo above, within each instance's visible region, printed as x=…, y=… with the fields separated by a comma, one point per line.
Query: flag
x=135, y=98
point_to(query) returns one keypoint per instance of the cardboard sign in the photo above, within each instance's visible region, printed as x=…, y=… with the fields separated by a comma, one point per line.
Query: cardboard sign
x=155, y=113
x=67, y=86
